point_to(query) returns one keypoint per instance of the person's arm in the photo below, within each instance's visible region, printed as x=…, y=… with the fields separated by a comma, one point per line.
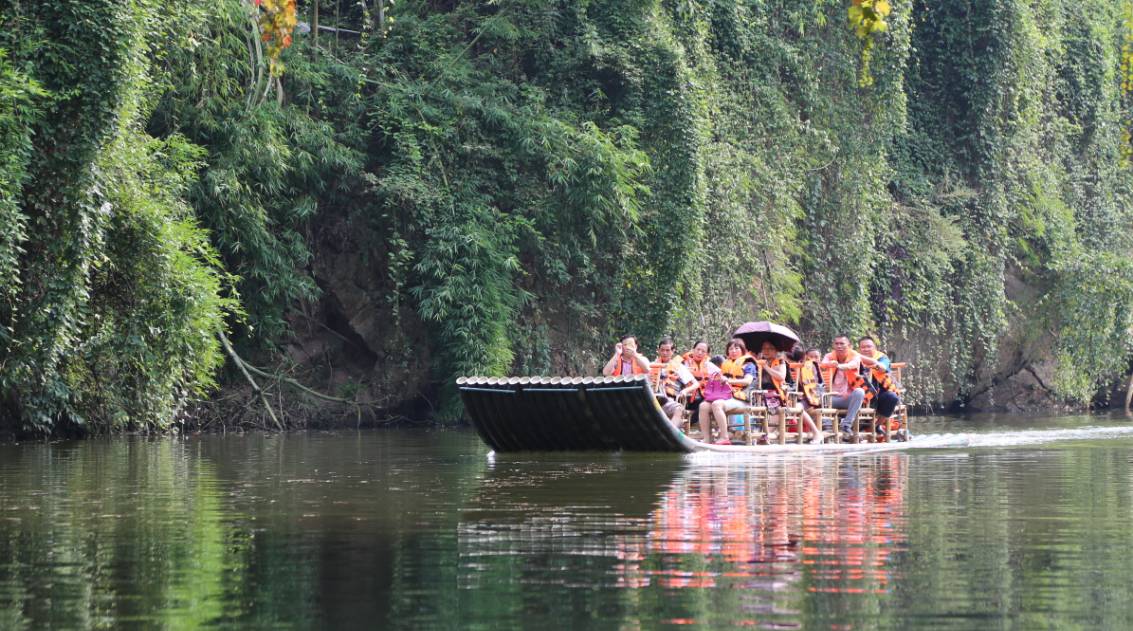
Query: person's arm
x=884, y=361
x=778, y=372
x=689, y=382
x=692, y=386
x=749, y=376
x=868, y=362
x=854, y=364
x=685, y=376
x=642, y=361
x=613, y=363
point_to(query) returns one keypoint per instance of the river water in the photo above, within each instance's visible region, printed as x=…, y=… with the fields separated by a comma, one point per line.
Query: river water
x=1030, y=527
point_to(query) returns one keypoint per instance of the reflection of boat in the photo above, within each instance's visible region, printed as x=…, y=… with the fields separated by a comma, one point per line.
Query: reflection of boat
x=527, y=510
x=777, y=528
x=595, y=414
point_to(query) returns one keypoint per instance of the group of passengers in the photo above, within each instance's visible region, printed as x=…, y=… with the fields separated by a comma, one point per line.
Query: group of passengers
x=714, y=387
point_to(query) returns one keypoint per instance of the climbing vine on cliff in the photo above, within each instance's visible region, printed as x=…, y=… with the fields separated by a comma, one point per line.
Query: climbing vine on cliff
x=868, y=18
x=524, y=180
x=1127, y=80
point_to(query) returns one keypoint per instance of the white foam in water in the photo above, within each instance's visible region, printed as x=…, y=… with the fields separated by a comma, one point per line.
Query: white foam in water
x=1031, y=437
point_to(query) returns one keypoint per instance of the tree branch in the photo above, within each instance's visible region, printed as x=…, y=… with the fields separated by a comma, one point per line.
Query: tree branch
x=255, y=387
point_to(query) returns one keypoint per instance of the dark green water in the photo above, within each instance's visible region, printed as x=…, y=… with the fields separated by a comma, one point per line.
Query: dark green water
x=1030, y=528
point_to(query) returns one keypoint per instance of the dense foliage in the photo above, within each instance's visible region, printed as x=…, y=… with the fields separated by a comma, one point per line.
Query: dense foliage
x=527, y=179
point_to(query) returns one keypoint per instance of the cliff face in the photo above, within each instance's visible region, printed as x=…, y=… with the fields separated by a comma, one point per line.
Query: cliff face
x=581, y=171
x=349, y=340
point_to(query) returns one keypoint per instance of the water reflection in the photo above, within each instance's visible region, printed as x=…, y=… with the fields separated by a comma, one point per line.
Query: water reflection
x=771, y=531
x=409, y=530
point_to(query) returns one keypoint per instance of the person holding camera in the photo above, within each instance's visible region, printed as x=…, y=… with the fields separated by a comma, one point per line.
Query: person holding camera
x=626, y=360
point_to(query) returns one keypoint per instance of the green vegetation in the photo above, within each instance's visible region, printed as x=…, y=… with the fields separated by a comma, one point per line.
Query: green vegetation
x=524, y=180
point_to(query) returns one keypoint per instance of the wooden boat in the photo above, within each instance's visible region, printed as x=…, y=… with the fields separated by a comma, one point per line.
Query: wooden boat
x=622, y=414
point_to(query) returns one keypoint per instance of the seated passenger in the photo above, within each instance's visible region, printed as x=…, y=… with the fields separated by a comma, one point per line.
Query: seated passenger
x=626, y=360
x=810, y=397
x=677, y=382
x=812, y=392
x=847, y=385
x=774, y=376
x=738, y=373
x=877, y=363
x=698, y=364
x=795, y=355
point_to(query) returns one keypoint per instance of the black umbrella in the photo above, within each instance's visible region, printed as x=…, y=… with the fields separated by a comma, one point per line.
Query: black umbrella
x=755, y=333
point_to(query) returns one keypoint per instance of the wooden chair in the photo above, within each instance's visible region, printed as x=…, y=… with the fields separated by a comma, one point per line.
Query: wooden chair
x=658, y=386
x=829, y=413
x=901, y=414
x=751, y=423
x=867, y=415
x=756, y=413
x=793, y=408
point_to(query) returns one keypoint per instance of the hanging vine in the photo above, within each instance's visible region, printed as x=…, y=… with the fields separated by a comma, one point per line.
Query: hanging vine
x=1127, y=81
x=867, y=17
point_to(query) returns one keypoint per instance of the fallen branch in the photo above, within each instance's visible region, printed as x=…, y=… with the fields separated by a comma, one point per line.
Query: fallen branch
x=296, y=384
x=255, y=386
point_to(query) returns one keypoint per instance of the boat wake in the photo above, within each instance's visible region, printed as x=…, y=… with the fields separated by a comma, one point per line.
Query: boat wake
x=1027, y=437
x=954, y=440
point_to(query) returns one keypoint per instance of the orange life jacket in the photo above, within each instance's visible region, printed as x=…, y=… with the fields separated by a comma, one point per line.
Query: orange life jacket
x=634, y=368
x=668, y=372
x=809, y=378
x=734, y=369
x=853, y=377
x=879, y=375
x=776, y=382
x=698, y=369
